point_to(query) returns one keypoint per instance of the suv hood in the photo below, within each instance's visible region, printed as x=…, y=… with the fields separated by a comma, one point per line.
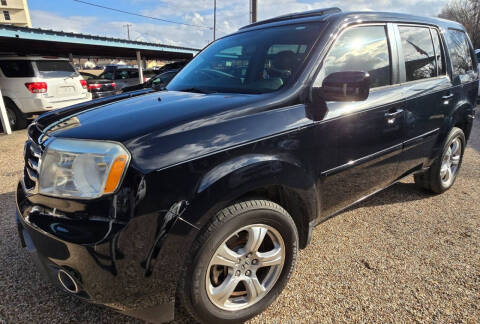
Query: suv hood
x=165, y=128
x=128, y=118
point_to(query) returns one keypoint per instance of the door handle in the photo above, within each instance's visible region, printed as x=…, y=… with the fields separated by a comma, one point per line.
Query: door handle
x=394, y=114
x=447, y=97
x=391, y=116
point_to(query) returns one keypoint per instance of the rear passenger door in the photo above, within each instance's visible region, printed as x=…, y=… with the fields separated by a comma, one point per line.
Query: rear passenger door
x=359, y=143
x=427, y=89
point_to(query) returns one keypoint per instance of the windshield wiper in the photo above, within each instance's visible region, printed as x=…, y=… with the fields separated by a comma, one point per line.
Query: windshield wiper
x=196, y=90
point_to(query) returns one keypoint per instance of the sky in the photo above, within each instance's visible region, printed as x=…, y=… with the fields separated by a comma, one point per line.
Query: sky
x=71, y=16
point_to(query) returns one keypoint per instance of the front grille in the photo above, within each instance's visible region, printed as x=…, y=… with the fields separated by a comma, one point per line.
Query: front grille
x=32, y=155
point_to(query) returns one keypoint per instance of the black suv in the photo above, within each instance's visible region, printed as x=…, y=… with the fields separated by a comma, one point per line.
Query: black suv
x=199, y=197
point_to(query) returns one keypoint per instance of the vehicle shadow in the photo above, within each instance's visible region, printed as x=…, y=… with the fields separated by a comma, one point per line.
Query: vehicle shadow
x=398, y=193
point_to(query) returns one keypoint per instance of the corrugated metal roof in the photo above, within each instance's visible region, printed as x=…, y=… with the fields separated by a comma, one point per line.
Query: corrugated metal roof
x=38, y=34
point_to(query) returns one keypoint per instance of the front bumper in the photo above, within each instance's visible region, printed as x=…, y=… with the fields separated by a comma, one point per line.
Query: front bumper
x=114, y=268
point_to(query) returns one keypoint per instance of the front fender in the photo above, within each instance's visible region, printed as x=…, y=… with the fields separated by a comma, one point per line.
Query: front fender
x=246, y=174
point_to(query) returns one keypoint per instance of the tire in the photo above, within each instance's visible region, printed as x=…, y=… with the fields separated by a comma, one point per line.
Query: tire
x=15, y=117
x=232, y=225
x=434, y=179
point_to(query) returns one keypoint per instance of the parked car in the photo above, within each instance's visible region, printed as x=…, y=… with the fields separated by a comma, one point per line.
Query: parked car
x=199, y=197
x=158, y=82
x=111, y=82
x=100, y=87
x=172, y=66
x=32, y=85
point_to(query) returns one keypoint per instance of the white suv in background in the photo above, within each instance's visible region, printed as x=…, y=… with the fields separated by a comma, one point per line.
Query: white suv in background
x=32, y=85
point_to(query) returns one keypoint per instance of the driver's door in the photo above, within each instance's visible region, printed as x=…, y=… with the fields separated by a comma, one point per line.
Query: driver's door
x=360, y=141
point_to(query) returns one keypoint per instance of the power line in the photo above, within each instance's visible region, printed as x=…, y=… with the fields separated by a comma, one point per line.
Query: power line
x=140, y=15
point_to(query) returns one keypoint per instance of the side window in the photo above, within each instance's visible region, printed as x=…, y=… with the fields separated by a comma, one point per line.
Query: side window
x=437, y=44
x=121, y=74
x=363, y=48
x=418, y=52
x=17, y=69
x=461, y=56
x=132, y=74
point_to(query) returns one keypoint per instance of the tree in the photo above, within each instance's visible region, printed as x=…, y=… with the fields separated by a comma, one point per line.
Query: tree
x=467, y=13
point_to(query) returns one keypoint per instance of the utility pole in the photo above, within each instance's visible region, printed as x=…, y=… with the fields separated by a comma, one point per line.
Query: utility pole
x=214, y=18
x=128, y=29
x=253, y=11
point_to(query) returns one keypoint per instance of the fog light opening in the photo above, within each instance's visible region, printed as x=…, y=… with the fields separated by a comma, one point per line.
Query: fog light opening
x=67, y=281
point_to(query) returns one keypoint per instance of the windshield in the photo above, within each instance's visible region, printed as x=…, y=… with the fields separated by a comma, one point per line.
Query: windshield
x=257, y=61
x=55, y=69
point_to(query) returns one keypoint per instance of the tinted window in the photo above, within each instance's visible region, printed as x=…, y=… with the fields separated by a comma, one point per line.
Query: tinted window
x=55, y=69
x=256, y=61
x=121, y=74
x=17, y=69
x=437, y=44
x=418, y=53
x=460, y=55
x=360, y=49
x=6, y=15
x=133, y=74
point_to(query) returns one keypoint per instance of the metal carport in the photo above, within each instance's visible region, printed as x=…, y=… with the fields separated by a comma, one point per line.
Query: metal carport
x=34, y=41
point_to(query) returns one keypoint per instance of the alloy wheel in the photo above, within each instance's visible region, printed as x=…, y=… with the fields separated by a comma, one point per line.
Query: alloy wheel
x=245, y=267
x=450, y=162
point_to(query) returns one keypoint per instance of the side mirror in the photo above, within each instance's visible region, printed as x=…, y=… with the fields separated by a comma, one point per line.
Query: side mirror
x=346, y=86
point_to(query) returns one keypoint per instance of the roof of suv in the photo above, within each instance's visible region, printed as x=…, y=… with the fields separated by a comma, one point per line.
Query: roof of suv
x=335, y=13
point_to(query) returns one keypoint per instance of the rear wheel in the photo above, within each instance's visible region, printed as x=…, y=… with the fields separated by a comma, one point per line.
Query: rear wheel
x=15, y=116
x=242, y=262
x=442, y=174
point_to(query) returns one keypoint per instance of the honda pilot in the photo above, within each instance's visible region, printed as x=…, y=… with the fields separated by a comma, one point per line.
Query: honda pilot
x=198, y=198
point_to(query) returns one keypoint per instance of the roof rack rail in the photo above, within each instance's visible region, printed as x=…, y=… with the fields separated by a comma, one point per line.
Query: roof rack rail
x=304, y=14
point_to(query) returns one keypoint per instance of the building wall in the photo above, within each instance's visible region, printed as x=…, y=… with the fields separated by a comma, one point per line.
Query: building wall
x=18, y=12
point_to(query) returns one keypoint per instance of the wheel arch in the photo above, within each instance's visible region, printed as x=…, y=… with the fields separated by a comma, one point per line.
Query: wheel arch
x=283, y=181
x=461, y=116
x=9, y=100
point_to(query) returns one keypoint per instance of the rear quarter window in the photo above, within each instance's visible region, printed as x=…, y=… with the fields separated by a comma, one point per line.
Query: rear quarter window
x=461, y=56
x=55, y=69
x=17, y=69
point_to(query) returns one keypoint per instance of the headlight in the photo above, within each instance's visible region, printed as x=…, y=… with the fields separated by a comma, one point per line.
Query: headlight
x=82, y=169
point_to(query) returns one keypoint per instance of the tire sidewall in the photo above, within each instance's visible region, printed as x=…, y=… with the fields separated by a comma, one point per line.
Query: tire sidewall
x=203, y=307
x=12, y=111
x=454, y=133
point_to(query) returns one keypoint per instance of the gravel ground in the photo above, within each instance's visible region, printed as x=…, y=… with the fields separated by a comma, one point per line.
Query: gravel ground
x=401, y=256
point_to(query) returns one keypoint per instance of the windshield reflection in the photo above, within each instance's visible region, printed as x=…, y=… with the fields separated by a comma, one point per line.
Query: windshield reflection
x=256, y=61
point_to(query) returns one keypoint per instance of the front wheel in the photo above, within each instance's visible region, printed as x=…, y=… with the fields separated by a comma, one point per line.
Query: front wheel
x=442, y=174
x=242, y=262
